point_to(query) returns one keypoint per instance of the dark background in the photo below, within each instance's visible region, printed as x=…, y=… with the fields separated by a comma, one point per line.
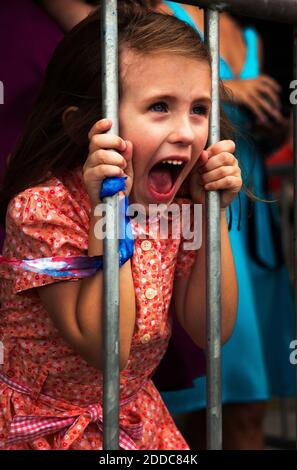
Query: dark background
x=278, y=51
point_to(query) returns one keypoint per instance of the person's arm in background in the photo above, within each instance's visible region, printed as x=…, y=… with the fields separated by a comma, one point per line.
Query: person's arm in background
x=67, y=13
x=247, y=92
x=261, y=96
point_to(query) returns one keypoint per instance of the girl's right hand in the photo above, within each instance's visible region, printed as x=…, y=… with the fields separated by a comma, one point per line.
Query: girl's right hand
x=104, y=159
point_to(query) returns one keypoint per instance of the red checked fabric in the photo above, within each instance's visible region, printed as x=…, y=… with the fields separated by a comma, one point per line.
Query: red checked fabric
x=54, y=383
x=24, y=428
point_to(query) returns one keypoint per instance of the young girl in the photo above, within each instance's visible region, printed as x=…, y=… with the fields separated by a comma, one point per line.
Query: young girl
x=258, y=259
x=51, y=378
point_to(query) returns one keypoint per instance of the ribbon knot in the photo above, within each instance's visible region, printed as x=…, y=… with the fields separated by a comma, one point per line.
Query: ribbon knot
x=95, y=411
x=27, y=428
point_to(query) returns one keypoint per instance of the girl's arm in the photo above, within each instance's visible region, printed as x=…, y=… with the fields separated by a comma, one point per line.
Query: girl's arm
x=216, y=169
x=76, y=309
x=67, y=13
x=190, y=293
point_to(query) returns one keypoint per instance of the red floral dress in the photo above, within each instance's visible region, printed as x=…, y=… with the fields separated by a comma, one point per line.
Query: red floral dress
x=42, y=378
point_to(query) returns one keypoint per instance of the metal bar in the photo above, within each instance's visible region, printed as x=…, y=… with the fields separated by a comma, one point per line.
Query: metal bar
x=213, y=254
x=295, y=195
x=281, y=11
x=111, y=371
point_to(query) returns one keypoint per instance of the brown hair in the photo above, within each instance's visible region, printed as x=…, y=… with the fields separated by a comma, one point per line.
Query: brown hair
x=45, y=148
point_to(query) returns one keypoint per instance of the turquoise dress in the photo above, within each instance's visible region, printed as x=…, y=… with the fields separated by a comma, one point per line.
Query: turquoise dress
x=255, y=360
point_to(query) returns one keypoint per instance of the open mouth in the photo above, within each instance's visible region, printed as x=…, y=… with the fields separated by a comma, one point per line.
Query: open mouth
x=163, y=176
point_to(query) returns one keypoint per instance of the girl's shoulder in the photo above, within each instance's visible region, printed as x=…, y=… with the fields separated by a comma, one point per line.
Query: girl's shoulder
x=55, y=187
x=64, y=194
x=49, y=219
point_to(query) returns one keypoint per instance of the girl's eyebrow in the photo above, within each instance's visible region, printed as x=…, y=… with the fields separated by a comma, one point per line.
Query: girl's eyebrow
x=167, y=97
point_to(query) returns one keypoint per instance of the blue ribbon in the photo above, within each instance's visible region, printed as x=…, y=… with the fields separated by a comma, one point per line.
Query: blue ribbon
x=109, y=187
x=82, y=266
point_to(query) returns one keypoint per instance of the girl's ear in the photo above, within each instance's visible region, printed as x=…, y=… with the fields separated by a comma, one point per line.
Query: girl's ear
x=70, y=118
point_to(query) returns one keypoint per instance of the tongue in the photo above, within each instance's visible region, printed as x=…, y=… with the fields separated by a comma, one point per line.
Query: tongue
x=160, y=179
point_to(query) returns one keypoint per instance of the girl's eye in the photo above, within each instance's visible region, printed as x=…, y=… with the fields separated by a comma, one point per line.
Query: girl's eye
x=159, y=107
x=200, y=110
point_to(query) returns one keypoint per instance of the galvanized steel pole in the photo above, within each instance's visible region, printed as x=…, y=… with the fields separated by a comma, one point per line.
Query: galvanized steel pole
x=213, y=253
x=111, y=372
x=281, y=11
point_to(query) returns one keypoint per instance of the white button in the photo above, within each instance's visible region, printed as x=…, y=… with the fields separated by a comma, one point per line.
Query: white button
x=146, y=245
x=150, y=293
x=145, y=338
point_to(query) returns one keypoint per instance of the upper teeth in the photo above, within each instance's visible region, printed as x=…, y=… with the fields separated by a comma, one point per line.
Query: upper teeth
x=173, y=162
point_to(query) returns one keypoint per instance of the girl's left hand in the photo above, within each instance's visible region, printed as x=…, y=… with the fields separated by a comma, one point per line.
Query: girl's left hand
x=216, y=169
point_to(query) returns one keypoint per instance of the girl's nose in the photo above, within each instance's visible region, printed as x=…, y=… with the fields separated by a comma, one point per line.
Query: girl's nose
x=181, y=133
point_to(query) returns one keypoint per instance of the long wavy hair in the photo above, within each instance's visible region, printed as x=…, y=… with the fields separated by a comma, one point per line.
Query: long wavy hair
x=73, y=79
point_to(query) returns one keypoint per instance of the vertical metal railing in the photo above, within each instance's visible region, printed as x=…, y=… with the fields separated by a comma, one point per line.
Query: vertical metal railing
x=274, y=10
x=111, y=371
x=109, y=41
x=213, y=252
x=295, y=195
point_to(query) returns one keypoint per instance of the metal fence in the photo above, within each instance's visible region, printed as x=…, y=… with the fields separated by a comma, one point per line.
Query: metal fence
x=277, y=10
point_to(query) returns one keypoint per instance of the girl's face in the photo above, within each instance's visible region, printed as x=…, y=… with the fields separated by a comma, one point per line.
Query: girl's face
x=164, y=112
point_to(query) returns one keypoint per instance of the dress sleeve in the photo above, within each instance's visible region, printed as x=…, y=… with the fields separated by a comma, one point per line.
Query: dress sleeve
x=40, y=223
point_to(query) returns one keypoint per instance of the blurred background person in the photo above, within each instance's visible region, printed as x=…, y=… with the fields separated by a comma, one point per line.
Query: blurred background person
x=29, y=33
x=255, y=359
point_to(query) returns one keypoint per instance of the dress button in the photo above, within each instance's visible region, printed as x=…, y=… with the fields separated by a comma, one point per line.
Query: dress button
x=150, y=293
x=145, y=338
x=146, y=245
